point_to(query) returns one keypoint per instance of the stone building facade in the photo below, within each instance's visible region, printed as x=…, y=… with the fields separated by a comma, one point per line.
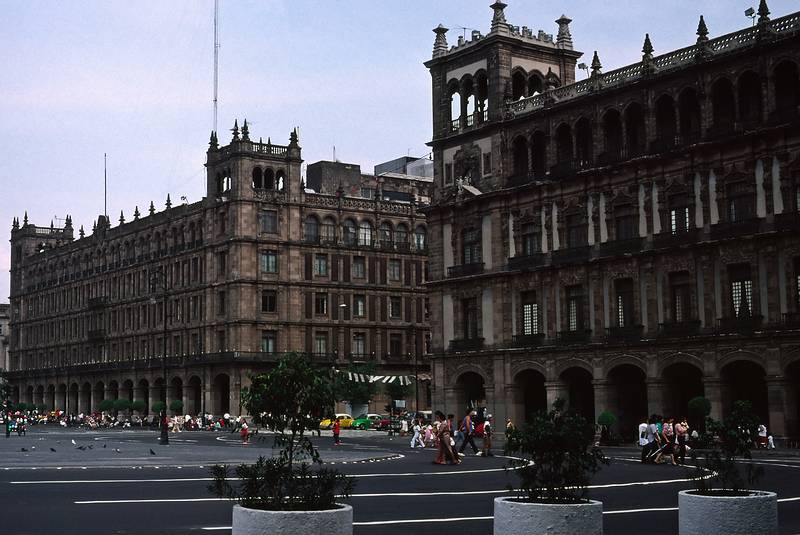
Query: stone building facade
x=625, y=242
x=185, y=303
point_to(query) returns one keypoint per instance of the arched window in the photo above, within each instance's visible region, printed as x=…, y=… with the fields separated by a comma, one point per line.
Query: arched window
x=665, y=122
x=740, y=202
x=468, y=95
x=635, y=129
x=564, y=144
x=328, y=233
x=519, y=150
x=482, y=92
x=349, y=232
x=535, y=85
x=386, y=235
x=420, y=238
x=365, y=234
x=612, y=136
x=749, y=97
x=280, y=179
x=724, y=105
x=312, y=229
x=269, y=179
x=401, y=236
x=787, y=87
x=518, y=84
x=583, y=143
x=455, y=105
x=539, y=155
x=220, y=183
x=689, y=109
x=257, y=178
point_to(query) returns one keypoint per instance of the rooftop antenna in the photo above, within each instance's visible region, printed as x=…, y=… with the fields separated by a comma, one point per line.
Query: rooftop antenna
x=216, y=59
x=464, y=30
x=105, y=186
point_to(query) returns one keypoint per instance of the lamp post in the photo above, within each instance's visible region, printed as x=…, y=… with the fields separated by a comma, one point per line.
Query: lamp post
x=159, y=279
x=416, y=374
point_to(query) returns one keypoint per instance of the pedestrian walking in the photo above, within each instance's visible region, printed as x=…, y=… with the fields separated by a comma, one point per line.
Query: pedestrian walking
x=403, y=427
x=642, y=440
x=487, y=437
x=416, y=440
x=446, y=442
x=653, y=440
x=468, y=430
x=244, y=432
x=336, y=429
x=681, y=438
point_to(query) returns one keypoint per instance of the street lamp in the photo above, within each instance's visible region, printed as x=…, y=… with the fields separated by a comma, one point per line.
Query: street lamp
x=158, y=279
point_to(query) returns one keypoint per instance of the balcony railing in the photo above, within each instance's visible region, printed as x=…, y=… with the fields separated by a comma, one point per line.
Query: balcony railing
x=679, y=328
x=740, y=324
x=628, y=333
x=675, y=239
x=581, y=336
x=527, y=340
x=387, y=245
x=787, y=222
x=791, y=319
x=734, y=229
x=454, y=125
x=465, y=270
x=617, y=247
x=572, y=255
x=466, y=344
x=527, y=262
x=562, y=169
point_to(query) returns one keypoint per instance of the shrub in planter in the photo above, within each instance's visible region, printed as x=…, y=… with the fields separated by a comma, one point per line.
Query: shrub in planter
x=138, y=405
x=722, y=501
x=176, y=406
x=606, y=420
x=158, y=406
x=107, y=405
x=699, y=409
x=290, y=491
x=556, y=461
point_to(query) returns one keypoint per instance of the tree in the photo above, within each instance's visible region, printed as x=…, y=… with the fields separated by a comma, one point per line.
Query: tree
x=106, y=405
x=122, y=404
x=158, y=406
x=699, y=409
x=395, y=390
x=357, y=393
x=138, y=405
x=176, y=406
x=605, y=421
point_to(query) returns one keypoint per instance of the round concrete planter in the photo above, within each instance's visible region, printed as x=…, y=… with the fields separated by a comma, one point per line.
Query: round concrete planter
x=521, y=518
x=756, y=512
x=257, y=522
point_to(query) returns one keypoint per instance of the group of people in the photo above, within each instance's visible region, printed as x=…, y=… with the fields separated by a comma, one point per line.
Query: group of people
x=664, y=440
x=452, y=440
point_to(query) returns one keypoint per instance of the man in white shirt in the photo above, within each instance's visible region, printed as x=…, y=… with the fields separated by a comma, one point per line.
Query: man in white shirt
x=642, y=436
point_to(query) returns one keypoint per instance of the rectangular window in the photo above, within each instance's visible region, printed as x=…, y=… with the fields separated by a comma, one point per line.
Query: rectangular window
x=359, y=305
x=530, y=314
x=624, y=291
x=530, y=239
x=487, y=164
x=394, y=269
x=741, y=290
x=576, y=231
x=269, y=341
x=395, y=344
x=321, y=343
x=269, y=261
x=221, y=343
x=321, y=265
x=222, y=264
x=740, y=202
x=679, y=219
x=681, y=296
x=359, y=345
x=448, y=173
x=321, y=304
x=472, y=246
x=395, y=307
x=574, y=308
x=269, y=301
x=368, y=193
x=470, y=317
x=220, y=303
x=626, y=226
x=359, y=267
x=268, y=221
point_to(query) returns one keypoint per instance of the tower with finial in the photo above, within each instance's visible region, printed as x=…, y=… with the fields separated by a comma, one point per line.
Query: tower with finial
x=703, y=47
x=440, y=43
x=648, y=67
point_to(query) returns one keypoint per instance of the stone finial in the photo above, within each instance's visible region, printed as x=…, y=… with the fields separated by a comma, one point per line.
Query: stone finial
x=152, y=208
x=596, y=66
x=293, y=140
x=25, y=219
x=213, y=143
x=440, y=43
x=169, y=202
x=68, y=222
x=499, y=24
x=245, y=131
x=51, y=225
x=269, y=140
x=136, y=213
x=121, y=218
x=648, y=67
x=235, y=130
x=564, y=38
x=14, y=224
x=81, y=232
x=94, y=227
x=702, y=31
x=550, y=80
x=763, y=12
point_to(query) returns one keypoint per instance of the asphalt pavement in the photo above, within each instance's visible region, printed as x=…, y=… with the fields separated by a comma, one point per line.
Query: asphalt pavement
x=398, y=490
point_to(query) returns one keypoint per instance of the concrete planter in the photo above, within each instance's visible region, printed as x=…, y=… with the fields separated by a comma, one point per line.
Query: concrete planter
x=521, y=518
x=257, y=522
x=732, y=515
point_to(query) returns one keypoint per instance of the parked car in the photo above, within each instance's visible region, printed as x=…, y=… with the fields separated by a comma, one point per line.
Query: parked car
x=366, y=421
x=384, y=423
x=345, y=420
x=427, y=416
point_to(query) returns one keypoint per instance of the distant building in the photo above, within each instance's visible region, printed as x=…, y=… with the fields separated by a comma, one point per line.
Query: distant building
x=258, y=268
x=5, y=319
x=624, y=242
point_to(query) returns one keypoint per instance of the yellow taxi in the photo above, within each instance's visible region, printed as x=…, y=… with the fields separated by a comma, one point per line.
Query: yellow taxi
x=345, y=420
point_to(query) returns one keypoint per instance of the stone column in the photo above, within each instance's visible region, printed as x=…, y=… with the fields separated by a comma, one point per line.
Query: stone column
x=655, y=396
x=555, y=390
x=777, y=406
x=602, y=397
x=712, y=388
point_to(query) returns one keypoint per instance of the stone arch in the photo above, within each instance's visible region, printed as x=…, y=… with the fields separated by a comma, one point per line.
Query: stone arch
x=682, y=381
x=572, y=362
x=740, y=354
x=529, y=394
x=519, y=156
x=470, y=385
x=625, y=359
x=744, y=378
x=194, y=393
x=258, y=178
x=221, y=391
x=626, y=395
x=679, y=357
x=577, y=388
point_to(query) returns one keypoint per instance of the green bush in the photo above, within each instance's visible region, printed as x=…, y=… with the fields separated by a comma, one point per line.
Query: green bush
x=122, y=404
x=21, y=406
x=159, y=406
x=106, y=405
x=138, y=405
x=176, y=405
x=561, y=446
x=41, y=407
x=606, y=419
x=716, y=468
x=288, y=400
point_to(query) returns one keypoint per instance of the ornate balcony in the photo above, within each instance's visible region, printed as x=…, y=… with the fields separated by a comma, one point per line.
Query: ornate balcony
x=679, y=328
x=740, y=324
x=581, y=336
x=628, y=333
x=527, y=340
x=675, y=239
x=527, y=262
x=465, y=270
x=618, y=247
x=735, y=229
x=466, y=344
x=572, y=255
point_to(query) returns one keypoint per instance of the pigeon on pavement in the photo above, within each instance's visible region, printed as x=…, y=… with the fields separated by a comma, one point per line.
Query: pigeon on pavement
x=52, y=449
x=91, y=446
x=152, y=452
x=116, y=449
x=104, y=445
x=73, y=442
x=23, y=449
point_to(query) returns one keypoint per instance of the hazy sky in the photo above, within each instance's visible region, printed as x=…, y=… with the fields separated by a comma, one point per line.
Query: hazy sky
x=134, y=80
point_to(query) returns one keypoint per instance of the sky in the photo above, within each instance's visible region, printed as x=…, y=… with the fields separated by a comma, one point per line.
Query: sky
x=135, y=80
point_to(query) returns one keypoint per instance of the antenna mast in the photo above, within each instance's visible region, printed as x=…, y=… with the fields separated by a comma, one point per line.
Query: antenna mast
x=216, y=59
x=105, y=187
